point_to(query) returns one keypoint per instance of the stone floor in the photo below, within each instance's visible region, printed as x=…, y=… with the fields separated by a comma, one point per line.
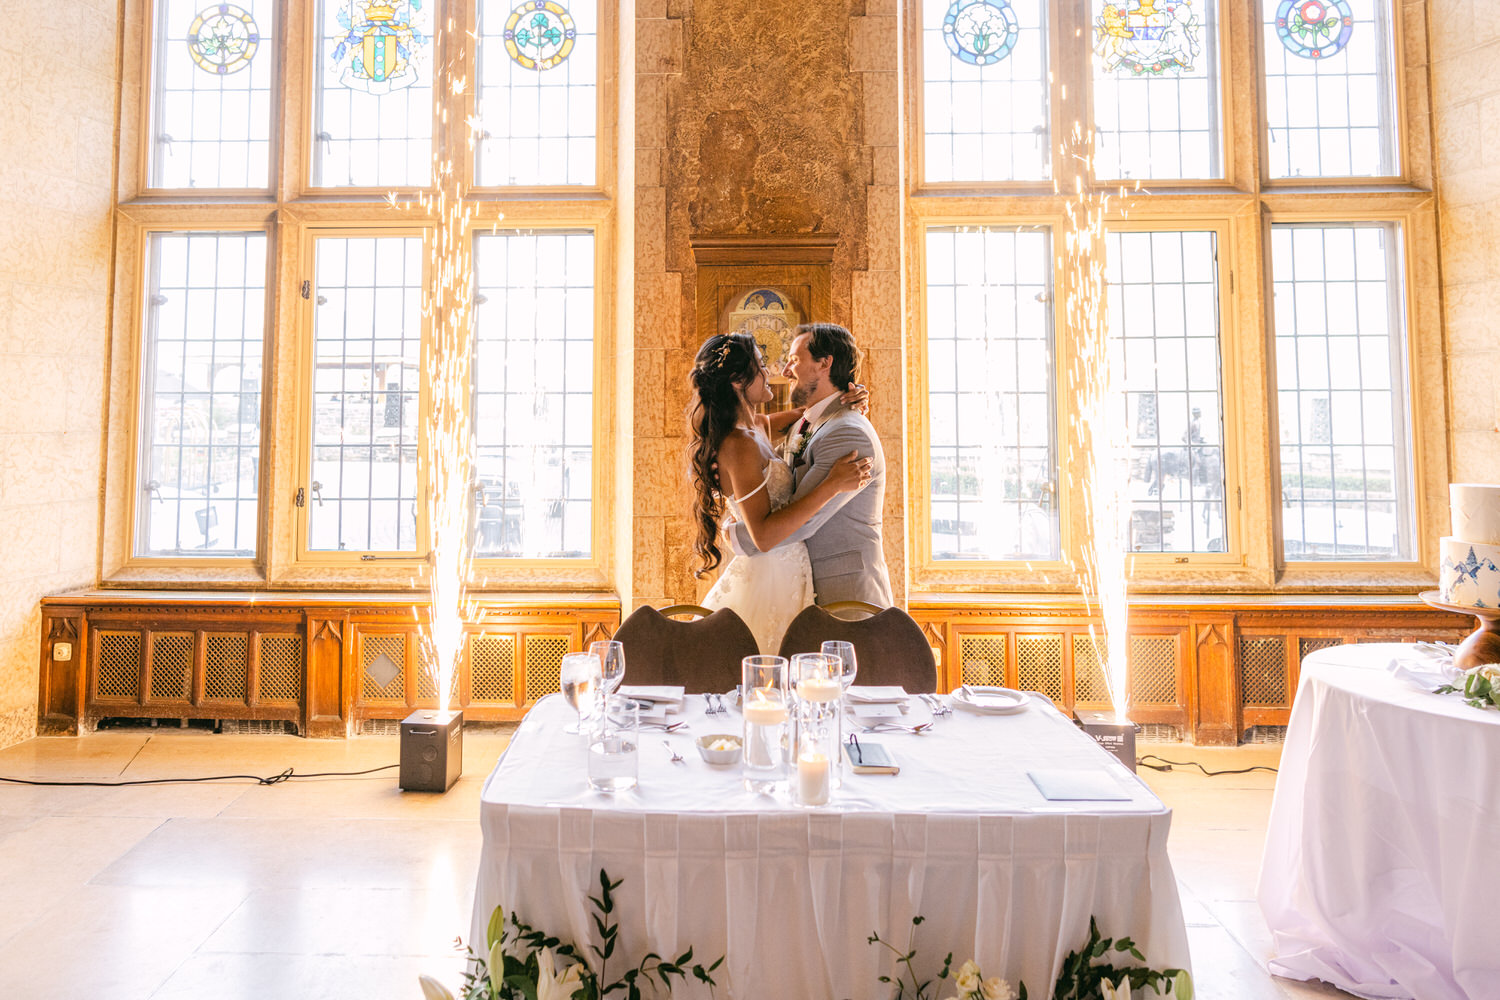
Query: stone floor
x=348, y=887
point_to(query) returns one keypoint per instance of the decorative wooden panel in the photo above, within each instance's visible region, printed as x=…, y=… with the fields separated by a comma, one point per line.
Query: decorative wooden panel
x=1039, y=665
x=171, y=666
x=281, y=665
x=1089, y=685
x=383, y=667
x=544, y=655
x=119, y=673
x=982, y=659
x=226, y=658
x=1153, y=670
x=492, y=668
x=1263, y=670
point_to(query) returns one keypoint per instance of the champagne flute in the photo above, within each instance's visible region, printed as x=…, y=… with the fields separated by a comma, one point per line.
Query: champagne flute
x=844, y=653
x=611, y=656
x=580, y=676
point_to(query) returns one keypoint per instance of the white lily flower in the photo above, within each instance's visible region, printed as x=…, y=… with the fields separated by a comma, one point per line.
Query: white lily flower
x=1116, y=991
x=434, y=990
x=552, y=984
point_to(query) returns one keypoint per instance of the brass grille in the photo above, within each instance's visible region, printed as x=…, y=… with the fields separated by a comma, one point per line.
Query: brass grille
x=1312, y=645
x=1039, y=664
x=1153, y=670
x=1263, y=669
x=983, y=659
x=119, y=673
x=492, y=668
x=225, y=667
x=171, y=665
x=544, y=655
x=281, y=663
x=1088, y=676
x=393, y=648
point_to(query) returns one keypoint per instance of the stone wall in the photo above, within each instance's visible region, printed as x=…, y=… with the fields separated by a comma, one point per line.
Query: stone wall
x=55, y=207
x=758, y=119
x=1465, y=72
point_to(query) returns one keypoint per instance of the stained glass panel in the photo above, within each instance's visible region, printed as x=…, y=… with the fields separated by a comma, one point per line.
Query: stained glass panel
x=372, y=124
x=989, y=370
x=1156, y=89
x=538, y=92
x=1346, y=490
x=1164, y=308
x=201, y=395
x=1330, y=94
x=212, y=74
x=985, y=90
x=533, y=381
x=367, y=338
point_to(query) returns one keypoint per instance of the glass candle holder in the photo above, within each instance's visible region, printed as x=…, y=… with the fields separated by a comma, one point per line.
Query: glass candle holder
x=819, y=727
x=764, y=705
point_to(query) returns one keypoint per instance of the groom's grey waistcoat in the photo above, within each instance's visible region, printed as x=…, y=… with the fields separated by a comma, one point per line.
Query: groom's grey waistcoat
x=843, y=538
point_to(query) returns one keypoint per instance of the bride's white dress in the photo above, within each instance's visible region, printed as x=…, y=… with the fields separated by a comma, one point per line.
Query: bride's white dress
x=766, y=589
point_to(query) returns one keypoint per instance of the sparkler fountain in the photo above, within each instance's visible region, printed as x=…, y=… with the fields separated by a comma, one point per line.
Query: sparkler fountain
x=1096, y=379
x=446, y=462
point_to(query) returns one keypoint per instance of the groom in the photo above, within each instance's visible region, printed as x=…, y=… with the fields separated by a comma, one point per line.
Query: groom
x=843, y=539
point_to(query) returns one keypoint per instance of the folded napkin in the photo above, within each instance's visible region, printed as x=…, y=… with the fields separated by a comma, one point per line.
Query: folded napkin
x=1425, y=668
x=876, y=695
x=659, y=693
x=877, y=712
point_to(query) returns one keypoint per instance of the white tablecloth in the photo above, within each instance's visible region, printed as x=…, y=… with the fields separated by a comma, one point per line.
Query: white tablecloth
x=791, y=895
x=1381, y=858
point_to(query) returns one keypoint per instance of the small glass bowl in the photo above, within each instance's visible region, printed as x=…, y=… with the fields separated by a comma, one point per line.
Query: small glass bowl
x=729, y=756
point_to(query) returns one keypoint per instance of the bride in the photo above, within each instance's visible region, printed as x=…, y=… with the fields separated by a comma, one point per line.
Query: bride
x=735, y=467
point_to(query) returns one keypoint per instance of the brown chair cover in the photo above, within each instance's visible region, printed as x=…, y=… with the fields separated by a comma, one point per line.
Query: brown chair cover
x=702, y=655
x=891, y=647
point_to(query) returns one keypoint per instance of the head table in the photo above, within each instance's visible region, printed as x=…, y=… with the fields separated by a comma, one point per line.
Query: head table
x=791, y=894
x=1380, y=856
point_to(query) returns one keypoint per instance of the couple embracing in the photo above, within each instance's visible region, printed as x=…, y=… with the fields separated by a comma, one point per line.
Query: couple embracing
x=800, y=492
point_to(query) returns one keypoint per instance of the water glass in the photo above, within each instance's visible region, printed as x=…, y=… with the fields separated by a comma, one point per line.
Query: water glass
x=580, y=677
x=612, y=662
x=614, y=746
x=845, y=653
x=764, y=705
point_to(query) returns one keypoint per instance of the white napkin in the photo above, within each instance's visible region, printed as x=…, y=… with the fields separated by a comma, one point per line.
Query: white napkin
x=869, y=695
x=1425, y=668
x=880, y=712
x=659, y=693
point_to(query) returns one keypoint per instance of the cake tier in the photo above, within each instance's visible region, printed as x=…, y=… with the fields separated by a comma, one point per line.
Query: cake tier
x=1470, y=573
x=1476, y=512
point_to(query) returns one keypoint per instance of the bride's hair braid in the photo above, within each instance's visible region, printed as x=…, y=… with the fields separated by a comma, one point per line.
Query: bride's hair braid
x=725, y=364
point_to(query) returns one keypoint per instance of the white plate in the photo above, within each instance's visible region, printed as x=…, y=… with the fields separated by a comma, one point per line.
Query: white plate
x=1003, y=701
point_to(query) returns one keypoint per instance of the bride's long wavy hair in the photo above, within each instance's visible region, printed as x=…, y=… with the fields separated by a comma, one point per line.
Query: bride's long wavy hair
x=725, y=364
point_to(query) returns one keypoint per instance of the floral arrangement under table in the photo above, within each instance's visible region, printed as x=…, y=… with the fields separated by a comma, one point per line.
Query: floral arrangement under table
x=1385, y=826
x=959, y=853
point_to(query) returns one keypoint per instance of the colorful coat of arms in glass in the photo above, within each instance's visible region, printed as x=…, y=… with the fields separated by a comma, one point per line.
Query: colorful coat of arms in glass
x=379, y=43
x=539, y=34
x=980, y=32
x=1314, y=29
x=1148, y=37
x=222, y=39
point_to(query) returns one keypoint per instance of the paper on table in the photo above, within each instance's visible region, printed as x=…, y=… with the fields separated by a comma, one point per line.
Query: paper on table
x=875, y=713
x=1072, y=784
x=870, y=695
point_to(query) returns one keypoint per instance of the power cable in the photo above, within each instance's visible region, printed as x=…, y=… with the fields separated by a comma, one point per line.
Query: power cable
x=289, y=774
x=1166, y=765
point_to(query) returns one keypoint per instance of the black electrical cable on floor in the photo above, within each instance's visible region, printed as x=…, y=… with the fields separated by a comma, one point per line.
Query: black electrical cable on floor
x=1166, y=765
x=288, y=775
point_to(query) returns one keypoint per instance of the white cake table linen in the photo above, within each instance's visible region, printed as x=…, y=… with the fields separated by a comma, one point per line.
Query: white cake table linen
x=790, y=895
x=1378, y=873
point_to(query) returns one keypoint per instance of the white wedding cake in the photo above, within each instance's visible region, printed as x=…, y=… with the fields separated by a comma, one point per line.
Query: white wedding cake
x=1471, y=555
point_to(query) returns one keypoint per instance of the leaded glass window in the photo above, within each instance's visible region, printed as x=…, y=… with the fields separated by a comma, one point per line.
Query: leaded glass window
x=1330, y=97
x=367, y=340
x=1156, y=89
x=1346, y=490
x=199, y=473
x=990, y=374
x=533, y=380
x=985, y=90
x=1164, y=310
x=212, y=75
x=373, y=110
x=538, y=93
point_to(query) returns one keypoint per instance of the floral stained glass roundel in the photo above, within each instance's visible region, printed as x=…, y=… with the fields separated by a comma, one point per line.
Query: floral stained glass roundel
x=1148, y=37
x=222, y=39
x=980, y=32
x=540, y=34
x=1314, y=29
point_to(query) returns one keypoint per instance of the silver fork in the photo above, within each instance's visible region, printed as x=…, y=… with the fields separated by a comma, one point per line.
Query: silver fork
x=939, y=707
x=708, y=703
x=719, y=701
x=676, y=757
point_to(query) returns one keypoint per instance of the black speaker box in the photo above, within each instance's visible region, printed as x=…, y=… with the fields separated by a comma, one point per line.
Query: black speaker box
x=432, y=750
x=1116, y=737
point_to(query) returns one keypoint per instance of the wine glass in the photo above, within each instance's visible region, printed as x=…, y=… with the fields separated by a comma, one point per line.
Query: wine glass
x=844, y=653
x=580, y=677
x=611, y=656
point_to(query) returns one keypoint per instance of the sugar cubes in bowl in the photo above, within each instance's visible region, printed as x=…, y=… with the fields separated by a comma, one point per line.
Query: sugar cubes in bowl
x=719, y=748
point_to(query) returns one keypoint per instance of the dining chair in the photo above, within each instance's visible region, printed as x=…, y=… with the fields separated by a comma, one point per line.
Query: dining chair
x=701, y=655
x=852, y=611
x=890, y=645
